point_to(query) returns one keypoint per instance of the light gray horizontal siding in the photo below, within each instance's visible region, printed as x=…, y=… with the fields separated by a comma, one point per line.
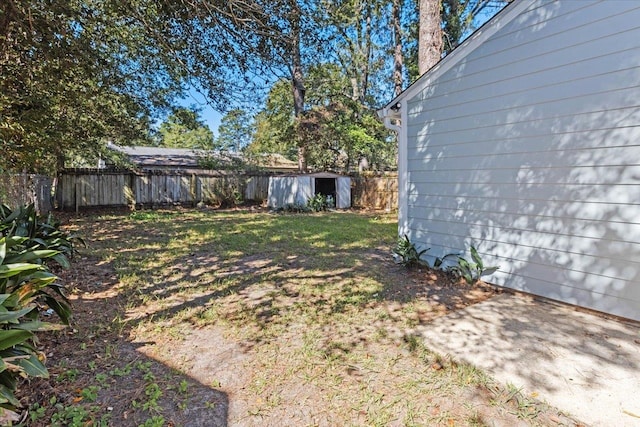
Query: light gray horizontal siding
x=581, y=161
x=549, y=21
x=477, y=86
x=608, y=175
x=587, y=41
x=535, y=209
x=529, y=148
x=552, y=116
x=604, y=84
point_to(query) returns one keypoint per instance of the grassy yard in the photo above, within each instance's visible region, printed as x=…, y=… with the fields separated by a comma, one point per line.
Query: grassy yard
x=208, y=318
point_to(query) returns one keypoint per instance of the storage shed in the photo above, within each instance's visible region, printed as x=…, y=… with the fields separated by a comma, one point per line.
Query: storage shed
x=298, y=189
x=525, y=141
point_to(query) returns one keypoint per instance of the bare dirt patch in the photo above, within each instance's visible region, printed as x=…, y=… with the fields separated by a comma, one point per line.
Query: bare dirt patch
x=293, y=326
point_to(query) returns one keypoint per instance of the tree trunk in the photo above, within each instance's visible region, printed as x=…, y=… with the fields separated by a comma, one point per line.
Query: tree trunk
x=355, y=88
x=367, y=56
x=430, y=35
x=397, y=53
x=297, y=79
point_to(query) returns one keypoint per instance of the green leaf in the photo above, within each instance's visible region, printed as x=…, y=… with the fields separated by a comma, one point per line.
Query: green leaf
x=13, y=216
x=10, y=270
x=7, y=395
x=3, y=298
x=39, y=241
x=12, y=316
x=476, y=258
x=11, y=337
x=62, y=260
x=36, y=325
x=61, y=309
x=32, y=255
x=32, y=366
x=8, y=379
x=13, y=241
x=463, y=263
x=40, y=280
x=489, y=270
x=43, y=275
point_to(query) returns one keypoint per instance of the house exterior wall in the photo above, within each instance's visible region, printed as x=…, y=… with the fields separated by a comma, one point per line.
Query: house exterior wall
x=528, y=147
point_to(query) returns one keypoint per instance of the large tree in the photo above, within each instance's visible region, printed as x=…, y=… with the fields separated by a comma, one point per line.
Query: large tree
x=398, y=56
x=429, y=34
x=184, y=129
x=235, y=131
x=345, y=134
x=77, y=74
x=357, y=34
x=275, y=124
x=60, y=90
x=443, y=25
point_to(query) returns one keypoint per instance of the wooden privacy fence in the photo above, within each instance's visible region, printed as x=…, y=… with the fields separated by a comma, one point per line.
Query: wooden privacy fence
x=375, y=191
x=87, y=188
x=94, y=188
x=22, y=189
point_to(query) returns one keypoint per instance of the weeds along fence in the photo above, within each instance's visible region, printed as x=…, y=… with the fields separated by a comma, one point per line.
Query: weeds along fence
x=22, y=189
x=89, y=188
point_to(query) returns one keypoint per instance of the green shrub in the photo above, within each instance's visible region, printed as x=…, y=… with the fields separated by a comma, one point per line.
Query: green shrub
x=317, y=203
x=471, y=271
x=320, y=202
x=28, y=247
x=407, y=254
x=40, y=233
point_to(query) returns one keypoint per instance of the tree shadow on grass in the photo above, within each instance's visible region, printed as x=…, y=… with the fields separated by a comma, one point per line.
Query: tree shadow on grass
x=98, y=376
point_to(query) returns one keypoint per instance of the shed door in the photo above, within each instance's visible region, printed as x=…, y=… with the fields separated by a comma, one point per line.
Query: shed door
x=304, y=190
x=344, y=193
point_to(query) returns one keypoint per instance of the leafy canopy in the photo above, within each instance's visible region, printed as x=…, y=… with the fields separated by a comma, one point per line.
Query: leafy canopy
x=184, y=129
x=235, y=132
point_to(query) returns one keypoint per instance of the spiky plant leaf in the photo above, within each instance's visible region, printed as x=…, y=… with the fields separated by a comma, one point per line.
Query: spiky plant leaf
x=12, y=337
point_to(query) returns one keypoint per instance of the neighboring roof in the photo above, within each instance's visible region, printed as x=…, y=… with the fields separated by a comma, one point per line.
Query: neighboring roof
x=277, y=161
x=502, y=18
x=161, y=157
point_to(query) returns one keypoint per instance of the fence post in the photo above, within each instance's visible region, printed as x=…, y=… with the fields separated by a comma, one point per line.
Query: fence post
x=77, y=196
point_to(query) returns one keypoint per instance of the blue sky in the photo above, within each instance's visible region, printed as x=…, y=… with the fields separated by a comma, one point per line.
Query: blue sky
x=210, y=116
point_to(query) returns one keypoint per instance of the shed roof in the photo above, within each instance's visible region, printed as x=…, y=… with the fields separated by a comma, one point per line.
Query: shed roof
x=317, y=175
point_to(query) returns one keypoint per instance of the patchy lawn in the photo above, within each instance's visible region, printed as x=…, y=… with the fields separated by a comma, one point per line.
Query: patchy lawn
x=241, y=317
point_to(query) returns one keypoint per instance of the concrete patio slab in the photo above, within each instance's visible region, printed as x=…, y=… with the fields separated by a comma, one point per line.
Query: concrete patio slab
x=581, y=363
